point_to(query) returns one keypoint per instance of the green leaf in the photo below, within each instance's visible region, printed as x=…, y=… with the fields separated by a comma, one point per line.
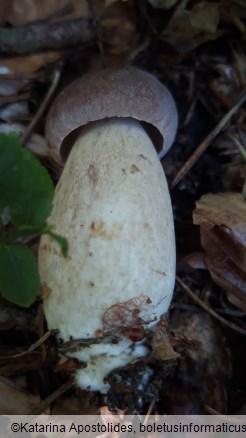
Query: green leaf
x=25, y=185
x=34, y=202
x=29, y=230
x=62, y=242
x=10, y=172
x=19, y=278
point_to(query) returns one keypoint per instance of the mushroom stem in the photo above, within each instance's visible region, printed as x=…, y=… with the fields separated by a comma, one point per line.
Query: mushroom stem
x=113, y=205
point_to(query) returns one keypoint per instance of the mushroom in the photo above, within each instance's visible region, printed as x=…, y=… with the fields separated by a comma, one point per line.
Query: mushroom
x=113, y=205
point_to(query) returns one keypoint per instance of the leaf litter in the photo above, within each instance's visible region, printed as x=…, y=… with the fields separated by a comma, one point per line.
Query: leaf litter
x=203, y=62
x=222, y=225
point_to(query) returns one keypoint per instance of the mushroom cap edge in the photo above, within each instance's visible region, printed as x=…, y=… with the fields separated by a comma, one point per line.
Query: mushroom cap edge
x=124, y=92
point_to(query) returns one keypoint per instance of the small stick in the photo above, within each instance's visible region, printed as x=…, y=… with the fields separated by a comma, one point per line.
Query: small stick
x=206, y=142
x=211, y=410
x=51, y=398
x=208, y=309
x=239, y=145
x=42, y=108
x=39, y=36
x=32, y=348
x=98, y=32
x=190, y=112
x=149, y=412
x=228, y=418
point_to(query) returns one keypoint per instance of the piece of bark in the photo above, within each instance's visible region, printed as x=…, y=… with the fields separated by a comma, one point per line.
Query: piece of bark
x=224, y=271
x=223, y=236
x=41, y=35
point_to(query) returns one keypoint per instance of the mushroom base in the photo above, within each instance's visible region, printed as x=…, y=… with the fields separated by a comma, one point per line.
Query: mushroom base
x=101, y=359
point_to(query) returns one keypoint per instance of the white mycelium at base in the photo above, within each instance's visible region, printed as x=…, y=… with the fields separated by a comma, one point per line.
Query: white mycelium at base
x=103, y=358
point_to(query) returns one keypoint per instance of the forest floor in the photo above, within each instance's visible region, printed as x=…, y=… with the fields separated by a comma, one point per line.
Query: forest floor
x=198, y=50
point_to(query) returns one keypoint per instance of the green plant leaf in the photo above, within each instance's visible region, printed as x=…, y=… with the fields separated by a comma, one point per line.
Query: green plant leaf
x=62, y=242
x=29, y=230
x=19, y=278
x=27, y=189
x=10, y=172
x=25, y=185
x=34, y=202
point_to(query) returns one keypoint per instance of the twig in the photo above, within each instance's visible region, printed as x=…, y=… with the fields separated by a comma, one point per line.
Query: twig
x=149, y=412
x=237, y=21
x=208, y=309
x=51, y=398
x=206, y=142
x=239, y=145
x=228, y=418
x=32, y=348
x=190, y=112
x=140, y=48
x=211, y=410
x=41, y=35
x=98, y=32
x=43, y=106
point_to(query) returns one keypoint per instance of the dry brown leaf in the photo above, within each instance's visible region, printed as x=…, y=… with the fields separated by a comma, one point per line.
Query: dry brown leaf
x=204, y=366
x=223, y=236
x=224, y=271
x=25, y=67
x=120, y=35
x=189, y=28
x=118, y=23
x=223, y=209
x=161, y=345
x=195, y=260
x=205, y=17
x=13, y=401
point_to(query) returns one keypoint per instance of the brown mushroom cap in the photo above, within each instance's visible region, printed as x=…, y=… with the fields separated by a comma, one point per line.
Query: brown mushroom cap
x=125, y=92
